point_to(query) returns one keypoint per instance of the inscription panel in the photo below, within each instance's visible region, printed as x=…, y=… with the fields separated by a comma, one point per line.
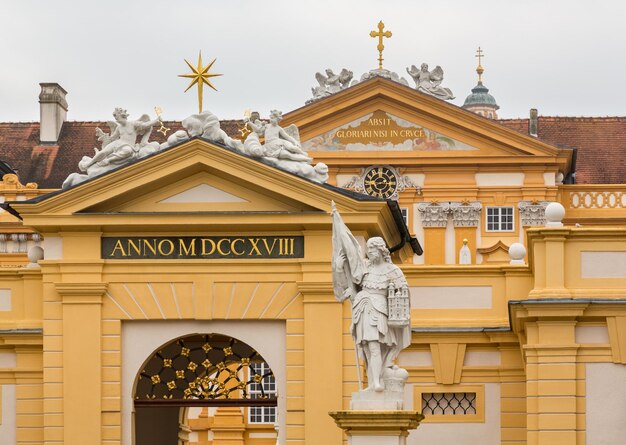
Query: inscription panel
x=207, y=247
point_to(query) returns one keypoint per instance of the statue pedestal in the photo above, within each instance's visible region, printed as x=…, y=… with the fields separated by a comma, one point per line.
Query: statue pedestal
x=373, y=427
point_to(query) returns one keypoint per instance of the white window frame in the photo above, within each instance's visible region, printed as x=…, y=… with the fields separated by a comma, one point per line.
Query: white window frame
x=499, y=219
x=267, y=414
x=405, y=215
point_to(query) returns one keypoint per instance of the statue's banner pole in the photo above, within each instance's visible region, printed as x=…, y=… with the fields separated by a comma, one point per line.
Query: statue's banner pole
x=342, y=279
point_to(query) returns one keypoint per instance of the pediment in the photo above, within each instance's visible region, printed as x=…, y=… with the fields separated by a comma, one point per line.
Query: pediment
x=391, y=119
x=194, y=177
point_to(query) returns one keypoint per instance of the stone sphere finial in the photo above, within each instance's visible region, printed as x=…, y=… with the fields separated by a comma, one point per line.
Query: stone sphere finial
x=35, y=254
x=517, y=252
x=555, y=213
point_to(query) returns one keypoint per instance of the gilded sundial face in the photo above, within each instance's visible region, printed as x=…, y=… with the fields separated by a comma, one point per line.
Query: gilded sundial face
x=380, y=182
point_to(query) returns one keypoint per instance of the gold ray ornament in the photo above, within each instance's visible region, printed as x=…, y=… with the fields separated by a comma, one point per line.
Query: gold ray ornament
x=163, y=129
x=199, y=76
x=380, y=34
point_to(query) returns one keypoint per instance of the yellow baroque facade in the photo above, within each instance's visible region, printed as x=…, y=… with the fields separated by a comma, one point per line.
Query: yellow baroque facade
x=166, y=279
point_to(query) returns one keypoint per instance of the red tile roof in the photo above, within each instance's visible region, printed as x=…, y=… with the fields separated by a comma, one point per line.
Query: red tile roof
x=49, y=165
x=600, y=144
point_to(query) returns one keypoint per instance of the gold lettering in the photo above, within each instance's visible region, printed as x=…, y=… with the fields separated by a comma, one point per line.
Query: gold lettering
x=281, y=250
x=340, y=134
x=147, y=246
x=160, y=247
x=291, y=241
x=254, y=243
x=136, y=248
x=207, y=240
x=232, y=246
x=219, y=247
x=118, y=245
x=191, y=250
x=269, y=249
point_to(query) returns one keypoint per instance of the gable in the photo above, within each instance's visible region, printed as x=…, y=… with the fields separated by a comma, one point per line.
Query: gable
x=383, y=131
x=398, y=122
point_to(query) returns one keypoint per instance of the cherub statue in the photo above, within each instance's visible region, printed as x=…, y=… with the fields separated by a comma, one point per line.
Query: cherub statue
x=429, y=82
x=331, y=83
x=280, y=143
x=120, y=146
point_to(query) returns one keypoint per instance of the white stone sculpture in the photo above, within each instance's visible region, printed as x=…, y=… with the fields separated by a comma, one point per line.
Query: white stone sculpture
x=281, y=148
x=330, y=83
x=119, y=147
x=517, y=252
x=465, y=255
x=207, y=125
x=555, y=212
x=378, y=292
x=382, y=72
x=429, y=82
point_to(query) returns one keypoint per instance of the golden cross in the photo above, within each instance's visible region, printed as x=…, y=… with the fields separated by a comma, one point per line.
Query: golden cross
x=200, y=75
x=380, y=34
x=479, y=69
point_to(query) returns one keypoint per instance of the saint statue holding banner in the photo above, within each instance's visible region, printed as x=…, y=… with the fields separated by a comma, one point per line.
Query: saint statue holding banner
x=379, y=295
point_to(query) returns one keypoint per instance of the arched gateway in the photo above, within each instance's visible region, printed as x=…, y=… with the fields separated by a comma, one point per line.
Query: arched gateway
x=199, y=370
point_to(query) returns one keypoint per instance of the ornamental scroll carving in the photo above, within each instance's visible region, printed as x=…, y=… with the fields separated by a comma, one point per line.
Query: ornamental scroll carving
x=464, y=214
x=434, y=214
x=533, y=213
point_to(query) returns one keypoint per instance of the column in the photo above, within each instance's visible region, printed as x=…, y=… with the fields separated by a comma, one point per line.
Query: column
x=82, y=367
x=323, y=359
x=434, y=220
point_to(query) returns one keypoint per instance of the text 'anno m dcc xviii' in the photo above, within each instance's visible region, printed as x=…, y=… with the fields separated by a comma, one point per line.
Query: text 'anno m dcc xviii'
x=199, y=247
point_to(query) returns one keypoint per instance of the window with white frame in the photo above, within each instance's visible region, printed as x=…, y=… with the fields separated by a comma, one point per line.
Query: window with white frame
x=262, y=414
x=405, y=215
x=500, y=219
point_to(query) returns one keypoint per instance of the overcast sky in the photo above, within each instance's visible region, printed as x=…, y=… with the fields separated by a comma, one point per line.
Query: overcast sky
x=562, y=57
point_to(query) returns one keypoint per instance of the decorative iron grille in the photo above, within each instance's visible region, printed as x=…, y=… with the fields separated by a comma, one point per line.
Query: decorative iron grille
x=449, y=403
x=204, y=367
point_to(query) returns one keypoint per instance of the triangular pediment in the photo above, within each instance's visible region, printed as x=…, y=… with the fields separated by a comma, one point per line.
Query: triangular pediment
x=397, y=121
x=202, y=193
x=200, y=186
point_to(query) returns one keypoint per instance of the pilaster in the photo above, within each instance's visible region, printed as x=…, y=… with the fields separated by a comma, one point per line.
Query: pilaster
x=82, y=378
x=323, y=360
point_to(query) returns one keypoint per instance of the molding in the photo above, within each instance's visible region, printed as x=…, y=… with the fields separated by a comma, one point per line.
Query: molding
x=377, y=423
x=463, y=214
x=81, y=293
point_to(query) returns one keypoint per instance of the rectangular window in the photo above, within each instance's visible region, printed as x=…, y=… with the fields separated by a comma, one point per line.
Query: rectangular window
x=499, y=219
x=450, y=403
x=262, y=414
x=405, y=215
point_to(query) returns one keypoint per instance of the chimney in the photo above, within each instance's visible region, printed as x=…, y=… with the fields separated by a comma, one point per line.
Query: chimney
x=533, y=123
x=53, y=110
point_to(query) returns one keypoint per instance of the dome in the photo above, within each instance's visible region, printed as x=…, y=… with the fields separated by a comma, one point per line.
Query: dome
x=480, y=97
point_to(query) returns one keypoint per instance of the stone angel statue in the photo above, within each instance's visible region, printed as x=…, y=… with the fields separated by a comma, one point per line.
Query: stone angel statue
x=121, y=145
x=429, y=82
x=118, y=147
x=378, y=292
x=280, y=143
x=331, y=83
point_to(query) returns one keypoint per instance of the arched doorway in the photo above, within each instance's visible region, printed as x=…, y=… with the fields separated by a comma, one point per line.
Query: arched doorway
x=199, y=370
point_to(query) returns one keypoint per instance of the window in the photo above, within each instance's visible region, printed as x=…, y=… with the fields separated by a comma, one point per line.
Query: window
x=262, y=414
x=450, y=403
x=405, y=215
x=499, y=219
